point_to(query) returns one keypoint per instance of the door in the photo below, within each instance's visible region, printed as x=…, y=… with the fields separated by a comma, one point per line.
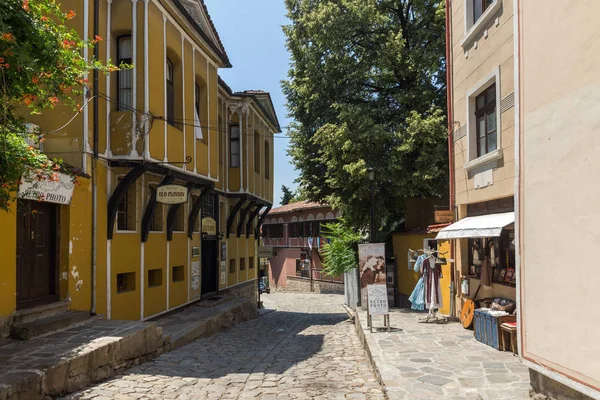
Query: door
x=209, y=266
x=36, y=253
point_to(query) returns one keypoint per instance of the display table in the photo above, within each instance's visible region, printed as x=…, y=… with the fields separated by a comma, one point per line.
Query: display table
x=488, y=327
x=509, y=336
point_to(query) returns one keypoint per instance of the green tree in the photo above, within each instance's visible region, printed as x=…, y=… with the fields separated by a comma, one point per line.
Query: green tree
x=366, y=88
x=288, y=195
x=41, y=67
x=340, y=252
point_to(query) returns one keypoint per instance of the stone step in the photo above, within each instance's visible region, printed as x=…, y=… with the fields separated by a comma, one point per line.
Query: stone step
x=31, y=314
x=48, y=324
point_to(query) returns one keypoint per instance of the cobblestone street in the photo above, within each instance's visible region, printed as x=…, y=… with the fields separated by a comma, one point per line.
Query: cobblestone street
x=307, y=349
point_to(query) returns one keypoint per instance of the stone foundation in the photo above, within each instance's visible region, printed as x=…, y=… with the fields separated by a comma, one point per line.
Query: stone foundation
x=545, y=388
x=303, y=285
x=247, y=290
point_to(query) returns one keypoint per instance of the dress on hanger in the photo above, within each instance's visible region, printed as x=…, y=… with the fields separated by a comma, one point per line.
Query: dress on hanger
x=432, y=274
x=417, y=297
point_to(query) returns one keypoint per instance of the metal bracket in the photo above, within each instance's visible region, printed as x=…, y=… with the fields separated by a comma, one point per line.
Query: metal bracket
x=151, y=209
x=260, y=221
x=243, y=215
x=234, y=212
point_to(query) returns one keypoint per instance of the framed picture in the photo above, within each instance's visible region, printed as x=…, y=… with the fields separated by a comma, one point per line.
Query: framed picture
x=509, y=274
x=502, y=275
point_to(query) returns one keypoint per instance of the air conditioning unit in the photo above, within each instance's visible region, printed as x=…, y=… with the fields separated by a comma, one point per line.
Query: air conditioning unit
x=33, y=129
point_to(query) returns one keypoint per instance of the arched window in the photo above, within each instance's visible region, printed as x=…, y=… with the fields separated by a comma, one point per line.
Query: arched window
x=234, y=146
x=267, y=155
x=170, y=92
x=124, y=76
x=256, y=152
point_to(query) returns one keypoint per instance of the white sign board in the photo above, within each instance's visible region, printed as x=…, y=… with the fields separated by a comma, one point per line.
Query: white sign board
x=223, y=273
x=195, y=268
x=195, y=282
x=378, y=299
x=171, y=194
x=265, y=251
x=56, y=188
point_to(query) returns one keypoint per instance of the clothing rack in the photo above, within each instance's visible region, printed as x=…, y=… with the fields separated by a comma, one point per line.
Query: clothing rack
x=432, y=315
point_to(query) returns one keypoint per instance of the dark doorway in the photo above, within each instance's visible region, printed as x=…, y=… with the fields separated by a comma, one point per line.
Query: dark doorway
x=209, y=267
x=37, y=233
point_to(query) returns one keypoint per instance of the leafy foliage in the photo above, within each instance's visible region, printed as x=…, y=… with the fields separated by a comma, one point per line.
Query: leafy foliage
x=340, y=253
x=288, y=195
x=367, y=89
x=41, y=66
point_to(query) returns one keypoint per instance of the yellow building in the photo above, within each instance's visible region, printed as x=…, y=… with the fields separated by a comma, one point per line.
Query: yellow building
x=170, y=119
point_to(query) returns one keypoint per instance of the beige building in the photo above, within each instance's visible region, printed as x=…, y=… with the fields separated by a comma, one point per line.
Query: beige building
x=481, y=115
x=558, y=115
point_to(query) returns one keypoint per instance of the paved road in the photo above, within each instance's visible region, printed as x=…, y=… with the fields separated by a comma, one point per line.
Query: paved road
x=307, y=349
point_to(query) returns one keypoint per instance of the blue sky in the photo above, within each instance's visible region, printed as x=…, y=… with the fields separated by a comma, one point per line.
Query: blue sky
x=251, y=33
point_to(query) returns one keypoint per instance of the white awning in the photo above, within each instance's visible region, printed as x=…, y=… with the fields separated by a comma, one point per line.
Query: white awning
x=490, y=225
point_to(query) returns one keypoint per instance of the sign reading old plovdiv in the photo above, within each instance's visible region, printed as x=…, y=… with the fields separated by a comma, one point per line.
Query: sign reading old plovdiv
x=171, y=194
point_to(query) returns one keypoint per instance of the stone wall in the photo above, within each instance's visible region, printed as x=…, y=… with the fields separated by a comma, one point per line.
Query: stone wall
x=544, y=388
x=246, y=290
x=302, y=285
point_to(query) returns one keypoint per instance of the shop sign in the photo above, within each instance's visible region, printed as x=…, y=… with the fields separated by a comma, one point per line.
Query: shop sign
x=57, y=190
x=209, y=226
x=371, y=264
x=171, y=194
x=223, y=273
x=265, y=251
x=195, y=251
x=443, y=216
x=378, y=299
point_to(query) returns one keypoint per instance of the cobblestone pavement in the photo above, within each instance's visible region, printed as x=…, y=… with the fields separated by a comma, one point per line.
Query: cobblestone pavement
x=307, y=349
x=441, y=361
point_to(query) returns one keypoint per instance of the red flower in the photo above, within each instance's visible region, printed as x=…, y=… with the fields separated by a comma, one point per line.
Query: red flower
x=26, y=5
x=71, y=14
x=7, y=37
x=96, y=39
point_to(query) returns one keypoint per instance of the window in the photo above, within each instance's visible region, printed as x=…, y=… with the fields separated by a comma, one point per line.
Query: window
x=126, y=282
x=312, y=229
x=274, y=231
x=232, y=266
x=251, y=263
x=267, y=155
x=155, y=277
x=197, y=121
x=501, y=253
x=479, y=7
x=179, y=225
x=485, y=115
x=124, y=76
x=170, y=93
x=296, y=229
x=220, y=125
x=256, y=152
x=193, y=200
x=126, y=210
x=178, y=274
x=242, y=264
x=234, y=146
x=156, y=223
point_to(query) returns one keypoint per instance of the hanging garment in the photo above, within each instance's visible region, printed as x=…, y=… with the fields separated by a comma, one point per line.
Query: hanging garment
x=417, y=297
x=486, y=273
x=432, y=274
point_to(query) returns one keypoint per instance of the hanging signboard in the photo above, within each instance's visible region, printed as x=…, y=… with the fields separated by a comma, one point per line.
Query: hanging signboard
x=371, y=264
x=56, y=188
x=209, y=226
x=171, y=194
x=265, y=251
x=378, y=299
x=443, y=216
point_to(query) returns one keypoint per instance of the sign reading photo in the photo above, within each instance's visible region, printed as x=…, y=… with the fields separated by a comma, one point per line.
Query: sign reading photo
x=58, y=190
x=171, y=194
x=371, y=264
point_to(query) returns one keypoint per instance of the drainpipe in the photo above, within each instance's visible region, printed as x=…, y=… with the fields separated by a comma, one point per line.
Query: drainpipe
x=95, y=164
x=453, y=284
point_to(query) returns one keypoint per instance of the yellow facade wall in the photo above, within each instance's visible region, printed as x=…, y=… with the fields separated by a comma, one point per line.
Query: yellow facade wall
x=8, y=255
x=155, y=257
x=178, y=258
x=408, y=278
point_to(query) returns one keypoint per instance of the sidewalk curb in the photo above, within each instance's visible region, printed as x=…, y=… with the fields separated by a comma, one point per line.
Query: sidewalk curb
x=363, y=339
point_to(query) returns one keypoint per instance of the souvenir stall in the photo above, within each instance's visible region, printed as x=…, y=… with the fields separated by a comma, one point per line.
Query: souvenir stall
x=486, y=275
x=427, y=293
